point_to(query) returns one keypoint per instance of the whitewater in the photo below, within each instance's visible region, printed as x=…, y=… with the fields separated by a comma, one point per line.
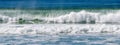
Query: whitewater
x=59, y=22
x=60, y=27
x=80, y=17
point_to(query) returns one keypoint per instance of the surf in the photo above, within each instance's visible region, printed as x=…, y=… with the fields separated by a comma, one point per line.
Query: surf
x=68, y=17
x=59, y=29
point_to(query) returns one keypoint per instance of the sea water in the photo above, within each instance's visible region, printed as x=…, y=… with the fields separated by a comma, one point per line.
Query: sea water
x=84, y=39
x=57, y=16
x=60, y=27
x=59, y=22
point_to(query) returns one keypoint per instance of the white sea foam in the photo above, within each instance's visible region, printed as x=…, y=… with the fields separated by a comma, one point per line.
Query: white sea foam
x=73, y=17
x=10, y=26
x=60, y=29
x=110, y=17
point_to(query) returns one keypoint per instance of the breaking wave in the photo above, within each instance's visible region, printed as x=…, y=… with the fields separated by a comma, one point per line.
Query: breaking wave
x=80, y=17
x=59, y=22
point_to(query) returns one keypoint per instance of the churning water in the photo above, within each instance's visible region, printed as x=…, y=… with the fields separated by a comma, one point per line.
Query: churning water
x=60, y=27
x=59, y=22
x=73, y=16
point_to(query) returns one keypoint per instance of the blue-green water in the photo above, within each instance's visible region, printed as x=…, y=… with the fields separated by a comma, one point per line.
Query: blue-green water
x=59, y=4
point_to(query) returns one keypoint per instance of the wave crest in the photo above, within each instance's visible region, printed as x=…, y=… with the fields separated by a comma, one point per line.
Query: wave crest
x=73, y=17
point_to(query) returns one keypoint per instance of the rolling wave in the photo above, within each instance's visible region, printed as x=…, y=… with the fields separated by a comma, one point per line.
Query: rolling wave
x=81, y=17
x=59, y=22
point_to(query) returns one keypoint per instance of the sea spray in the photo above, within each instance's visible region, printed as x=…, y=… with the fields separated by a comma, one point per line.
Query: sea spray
x=75, y=17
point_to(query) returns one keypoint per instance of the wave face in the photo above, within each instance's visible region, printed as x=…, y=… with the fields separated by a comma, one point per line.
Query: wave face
x=59, y=16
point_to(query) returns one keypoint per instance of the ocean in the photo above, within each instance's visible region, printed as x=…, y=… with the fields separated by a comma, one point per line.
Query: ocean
x=59, y=22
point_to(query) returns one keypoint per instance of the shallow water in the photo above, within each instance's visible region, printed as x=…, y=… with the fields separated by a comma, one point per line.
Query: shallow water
x=59, y=34
x=83, y=39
